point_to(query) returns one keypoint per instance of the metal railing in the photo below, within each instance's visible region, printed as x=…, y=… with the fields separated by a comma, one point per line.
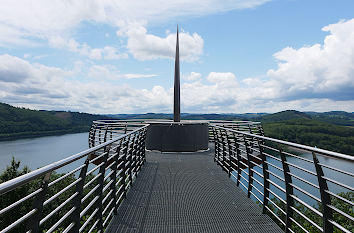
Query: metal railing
x=82, y=200
x=245, y=126
x=104, y=130
x=302, y=192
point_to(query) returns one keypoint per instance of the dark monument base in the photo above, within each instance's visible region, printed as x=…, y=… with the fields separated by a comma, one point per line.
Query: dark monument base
x=184, y=136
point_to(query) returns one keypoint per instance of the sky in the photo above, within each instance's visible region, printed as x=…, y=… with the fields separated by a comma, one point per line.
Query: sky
x=237, y=56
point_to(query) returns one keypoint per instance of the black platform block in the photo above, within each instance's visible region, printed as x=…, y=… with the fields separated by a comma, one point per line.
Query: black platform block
x=185, y=136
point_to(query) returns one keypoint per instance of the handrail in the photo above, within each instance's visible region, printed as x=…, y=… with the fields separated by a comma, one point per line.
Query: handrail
x=292, y=144
x=285, y=182
x=298, y=146
x=85, y=198
x=26, y=178
x=265, y=169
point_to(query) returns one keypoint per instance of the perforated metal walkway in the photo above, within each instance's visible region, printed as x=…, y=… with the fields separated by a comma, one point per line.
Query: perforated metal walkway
x=187, y=192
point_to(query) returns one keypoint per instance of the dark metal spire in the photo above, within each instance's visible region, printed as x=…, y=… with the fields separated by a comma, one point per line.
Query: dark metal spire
x=176, y=102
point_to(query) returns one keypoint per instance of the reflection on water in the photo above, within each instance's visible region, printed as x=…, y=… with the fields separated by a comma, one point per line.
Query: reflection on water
x=38, y=152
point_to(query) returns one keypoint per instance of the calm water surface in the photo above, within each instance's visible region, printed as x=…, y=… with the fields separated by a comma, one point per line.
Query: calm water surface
x=38, y=152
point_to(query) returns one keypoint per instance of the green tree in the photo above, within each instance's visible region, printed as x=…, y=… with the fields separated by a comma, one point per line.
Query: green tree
x=12, y=172
x=337, y=203
x=17, y=212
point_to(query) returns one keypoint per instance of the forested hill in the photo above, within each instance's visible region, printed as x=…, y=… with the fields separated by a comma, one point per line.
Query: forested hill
x=313, y=129
x=21, y=122
x=334, y=117
x=330, y=130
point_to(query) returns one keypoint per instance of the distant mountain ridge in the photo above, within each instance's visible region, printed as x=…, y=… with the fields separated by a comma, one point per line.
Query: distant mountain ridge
x=328, y=130
x=334, y=117
x=186, y=116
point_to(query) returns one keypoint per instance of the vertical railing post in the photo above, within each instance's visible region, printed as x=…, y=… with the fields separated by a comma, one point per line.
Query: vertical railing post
x=33, y=222
x=144, y=141
x=325, y=197
x=249, y=128
x=215, y=143
x=238, y=156
x=250, y=171
x=99, y=134
x=260, y=129
x=138, y=151
x=228, y=139
x=224, y=142
x=220, y=145
x=141, y=148
x=77, y=200
x=131, y=149
x=114, y=176
x=94, y=136
x=289, y=192
x=91, y=134
x=111, y=133
x=105, y=134
x=99, y=191
x=135, y=153
x=124, y=165
x=265, y=175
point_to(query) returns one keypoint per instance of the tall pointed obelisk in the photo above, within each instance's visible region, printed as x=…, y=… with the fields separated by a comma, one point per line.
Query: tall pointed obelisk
x=186, y=136
x=176, y=100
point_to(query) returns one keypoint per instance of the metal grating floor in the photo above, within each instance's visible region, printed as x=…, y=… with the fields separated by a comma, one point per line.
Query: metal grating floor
x=187, y=192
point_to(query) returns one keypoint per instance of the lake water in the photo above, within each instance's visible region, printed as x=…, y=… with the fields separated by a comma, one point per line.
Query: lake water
x=41, y=151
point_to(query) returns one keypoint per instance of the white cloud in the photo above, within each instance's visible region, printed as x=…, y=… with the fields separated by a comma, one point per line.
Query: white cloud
x=107, y=72
x=106, y=53
x=227, y=78
x=34, y=23
x=13, y=36
x=144, y=46
x=133, y=76
x=319, y=71
x=43, y=18
x=193, y=76
x=311, y=78
x=111, y=53
x=13, y=69
x=44, y=87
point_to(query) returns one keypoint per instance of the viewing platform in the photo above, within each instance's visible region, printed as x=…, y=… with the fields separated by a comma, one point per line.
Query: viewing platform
x=245, y=182
x=187, y=192
x=222, y=176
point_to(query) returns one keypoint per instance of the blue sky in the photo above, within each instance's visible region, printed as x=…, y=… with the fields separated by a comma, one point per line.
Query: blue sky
x=237, y=55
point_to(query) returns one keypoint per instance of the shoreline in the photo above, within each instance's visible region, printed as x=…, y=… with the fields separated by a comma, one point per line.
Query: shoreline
x=26, y=135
